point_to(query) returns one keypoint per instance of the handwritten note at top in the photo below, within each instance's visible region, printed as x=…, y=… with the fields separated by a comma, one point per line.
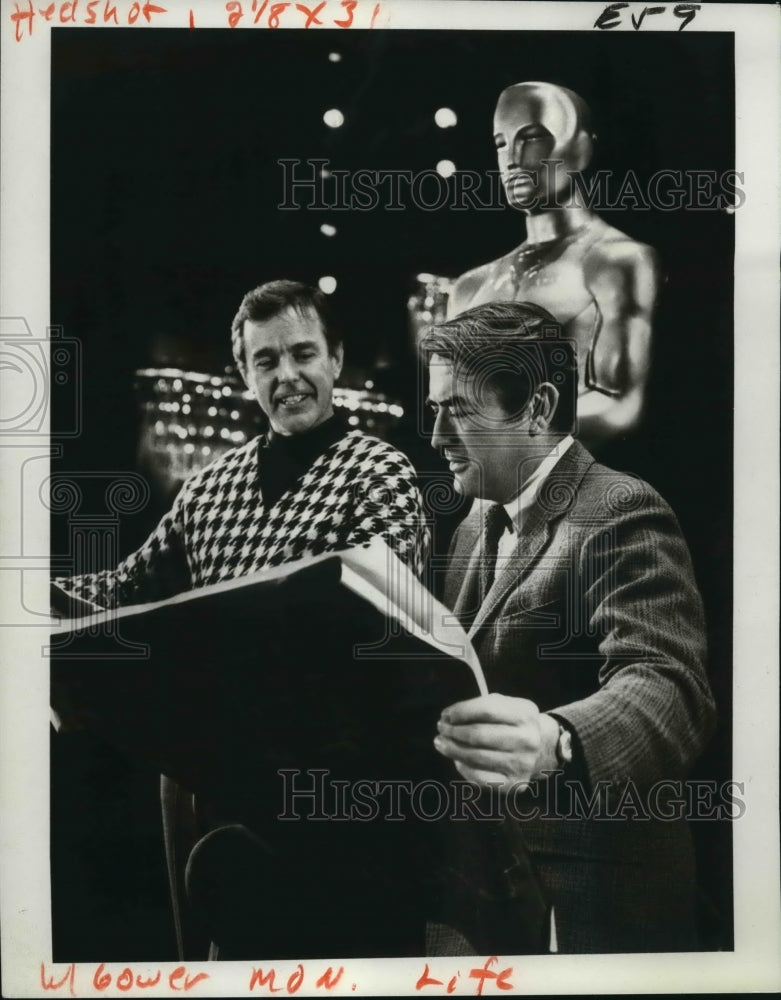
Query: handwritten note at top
x=612, y=17
x=28, y=17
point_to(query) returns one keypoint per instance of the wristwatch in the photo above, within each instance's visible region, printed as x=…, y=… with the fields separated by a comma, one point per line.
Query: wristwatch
x=564, y=747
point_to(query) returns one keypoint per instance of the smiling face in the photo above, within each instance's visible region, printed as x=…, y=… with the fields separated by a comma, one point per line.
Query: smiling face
x=533, y=123
x=485, y=447
x=290, y=370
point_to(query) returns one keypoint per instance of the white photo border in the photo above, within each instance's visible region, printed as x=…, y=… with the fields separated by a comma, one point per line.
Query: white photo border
x=25, y=900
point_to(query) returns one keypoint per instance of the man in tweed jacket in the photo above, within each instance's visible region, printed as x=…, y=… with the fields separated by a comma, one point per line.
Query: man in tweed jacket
x=310, y=486
x=579, y=596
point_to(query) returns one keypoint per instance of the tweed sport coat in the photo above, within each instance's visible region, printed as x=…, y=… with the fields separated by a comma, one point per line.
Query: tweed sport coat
x=596, y=618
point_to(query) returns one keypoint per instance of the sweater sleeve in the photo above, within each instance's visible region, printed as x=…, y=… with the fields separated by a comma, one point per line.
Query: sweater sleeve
x=389, y=505
x=155, y=571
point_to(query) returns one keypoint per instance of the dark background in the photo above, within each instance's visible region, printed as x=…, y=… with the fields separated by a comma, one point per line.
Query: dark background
x=165, y=184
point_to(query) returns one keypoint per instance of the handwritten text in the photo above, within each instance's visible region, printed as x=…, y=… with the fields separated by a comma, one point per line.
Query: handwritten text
x=27, y=16
x=483, y=974
x=179, y=980
x=611, y=18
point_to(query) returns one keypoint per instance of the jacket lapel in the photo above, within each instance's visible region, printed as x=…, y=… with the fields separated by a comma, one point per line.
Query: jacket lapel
x=556, y=496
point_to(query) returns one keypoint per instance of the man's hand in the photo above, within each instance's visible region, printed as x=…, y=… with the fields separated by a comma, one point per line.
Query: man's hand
x=496, y=740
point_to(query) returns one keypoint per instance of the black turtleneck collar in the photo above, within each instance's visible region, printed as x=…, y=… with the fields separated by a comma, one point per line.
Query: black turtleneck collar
x=284, y=460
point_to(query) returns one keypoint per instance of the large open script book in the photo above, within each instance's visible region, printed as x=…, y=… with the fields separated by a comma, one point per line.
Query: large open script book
x=312, y=692
x=302, y=665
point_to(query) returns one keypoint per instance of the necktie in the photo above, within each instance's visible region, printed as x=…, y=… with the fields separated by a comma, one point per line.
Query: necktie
x=495, y=522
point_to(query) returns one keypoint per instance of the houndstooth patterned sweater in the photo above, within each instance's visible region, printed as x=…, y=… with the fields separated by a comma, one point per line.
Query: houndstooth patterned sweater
x=219, y=527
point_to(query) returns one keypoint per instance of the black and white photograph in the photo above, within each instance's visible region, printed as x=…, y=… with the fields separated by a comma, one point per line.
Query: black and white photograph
x=389, y=448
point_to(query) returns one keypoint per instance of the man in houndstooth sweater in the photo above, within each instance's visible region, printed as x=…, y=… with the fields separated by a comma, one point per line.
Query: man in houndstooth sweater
x=309, y=486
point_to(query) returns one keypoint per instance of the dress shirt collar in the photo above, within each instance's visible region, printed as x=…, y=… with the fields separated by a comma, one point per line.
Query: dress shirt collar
x=520, y=504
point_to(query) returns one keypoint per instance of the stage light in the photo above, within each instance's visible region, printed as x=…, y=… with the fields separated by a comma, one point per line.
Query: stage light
x=327, y=284
x=333, y=118
x=334, y=56
x=446, y=118
x=446, y=168
x=327, y=229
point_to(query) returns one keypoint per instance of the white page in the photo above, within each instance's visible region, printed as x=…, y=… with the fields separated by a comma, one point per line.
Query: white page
x=378, y=575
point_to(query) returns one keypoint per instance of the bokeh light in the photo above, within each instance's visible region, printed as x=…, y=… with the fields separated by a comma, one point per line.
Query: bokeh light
x=446, y=168
x=446, y=118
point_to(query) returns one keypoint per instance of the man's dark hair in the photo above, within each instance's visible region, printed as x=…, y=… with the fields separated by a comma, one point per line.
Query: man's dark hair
x=511, y=347
x=269, y=300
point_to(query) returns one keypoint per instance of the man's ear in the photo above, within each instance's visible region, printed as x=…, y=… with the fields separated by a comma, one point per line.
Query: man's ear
x=543, y=406
x=337, y=360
